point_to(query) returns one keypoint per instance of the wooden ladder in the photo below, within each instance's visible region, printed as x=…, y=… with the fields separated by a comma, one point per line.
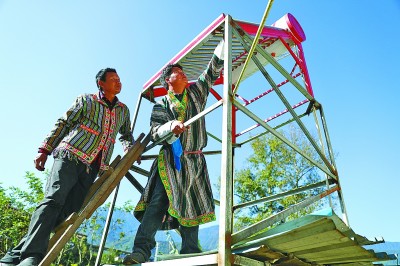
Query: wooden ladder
x=97, y=195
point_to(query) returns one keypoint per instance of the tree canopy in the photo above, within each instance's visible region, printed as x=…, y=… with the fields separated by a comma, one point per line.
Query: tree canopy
x=16, y=207
x=272, y=168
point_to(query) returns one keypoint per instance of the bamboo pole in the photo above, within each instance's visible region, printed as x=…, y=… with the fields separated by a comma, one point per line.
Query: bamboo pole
x=255, y=42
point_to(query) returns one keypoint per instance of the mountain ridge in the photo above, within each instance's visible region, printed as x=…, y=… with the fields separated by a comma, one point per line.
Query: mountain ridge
x=123, y=229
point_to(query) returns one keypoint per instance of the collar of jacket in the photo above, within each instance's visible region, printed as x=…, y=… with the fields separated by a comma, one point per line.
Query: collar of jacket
x=102, y=99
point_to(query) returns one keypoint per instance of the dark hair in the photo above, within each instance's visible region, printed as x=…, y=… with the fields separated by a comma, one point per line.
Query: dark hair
x=101, y=75
x=166, y=73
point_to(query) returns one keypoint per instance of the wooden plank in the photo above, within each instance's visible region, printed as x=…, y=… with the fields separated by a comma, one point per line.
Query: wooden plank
x=99, y=181
x=282, y=228
x=264, y=253
x=70, y=219
x=119, y=172
x=292, y=261
x=353, y=258
x=341, y=253
x=313, y=240
x=261, y=225
x=240, y=260
x=307, y=252
x=180, y=256
x=316, y=228
x=59, y=230
x=210, y=259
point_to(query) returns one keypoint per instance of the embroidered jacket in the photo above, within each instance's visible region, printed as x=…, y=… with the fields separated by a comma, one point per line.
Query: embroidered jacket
x=189, y=191
x=88, y=129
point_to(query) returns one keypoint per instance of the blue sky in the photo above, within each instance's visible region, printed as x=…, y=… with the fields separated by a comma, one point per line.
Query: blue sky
x=50, y=52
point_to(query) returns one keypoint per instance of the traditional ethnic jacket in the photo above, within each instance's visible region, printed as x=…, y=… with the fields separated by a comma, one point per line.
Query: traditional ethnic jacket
x=189, y=190
x=89, y=129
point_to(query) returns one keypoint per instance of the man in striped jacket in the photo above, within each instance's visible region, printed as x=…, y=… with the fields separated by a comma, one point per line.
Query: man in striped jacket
x=82, y=142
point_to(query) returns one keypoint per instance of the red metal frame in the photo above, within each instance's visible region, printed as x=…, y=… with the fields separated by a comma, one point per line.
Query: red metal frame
x=187, y=48
x=292, y=32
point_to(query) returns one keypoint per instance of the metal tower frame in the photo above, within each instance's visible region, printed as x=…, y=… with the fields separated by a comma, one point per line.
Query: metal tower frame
x=249, y=49
x=273, y=43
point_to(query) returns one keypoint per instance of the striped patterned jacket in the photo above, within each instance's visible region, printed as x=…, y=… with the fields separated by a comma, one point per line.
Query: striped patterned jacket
x=89, y=128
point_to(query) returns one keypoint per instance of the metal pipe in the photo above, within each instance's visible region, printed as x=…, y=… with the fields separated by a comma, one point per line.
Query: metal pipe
x=255, y=42
x=285, y=102
x=321, y=140
x=226, y=191
x=279, y=196
x=188, y=122
x=266, y=132
x=281, y=137
x=257, y=227
x=106, y=227
x=135, y=114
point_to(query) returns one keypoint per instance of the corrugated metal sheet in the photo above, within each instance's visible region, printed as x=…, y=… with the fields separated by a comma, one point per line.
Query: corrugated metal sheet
x=317, y=239
x=196, y=55
x=313, y=239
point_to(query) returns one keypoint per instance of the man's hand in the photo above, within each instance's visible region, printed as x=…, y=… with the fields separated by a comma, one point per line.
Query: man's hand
x=219, y=50
x=177, y=127
x=40, y=161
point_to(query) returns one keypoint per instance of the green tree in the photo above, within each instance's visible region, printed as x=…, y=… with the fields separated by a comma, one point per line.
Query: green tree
x=16, y=206
x=272, y=168
x=78, y=251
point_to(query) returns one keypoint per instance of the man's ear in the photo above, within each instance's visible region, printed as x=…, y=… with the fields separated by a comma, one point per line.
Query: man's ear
x=100, y=84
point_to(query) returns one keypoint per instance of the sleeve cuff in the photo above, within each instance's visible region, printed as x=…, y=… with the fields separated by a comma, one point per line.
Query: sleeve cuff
x=166, y=129
x=42, y=150
x=219, y=50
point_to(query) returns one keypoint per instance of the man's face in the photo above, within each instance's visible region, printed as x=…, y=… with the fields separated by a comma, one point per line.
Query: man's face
x=177, y=79
x=112, y=85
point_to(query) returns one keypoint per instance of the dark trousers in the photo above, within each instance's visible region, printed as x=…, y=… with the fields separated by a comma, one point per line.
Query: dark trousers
x=65, y=191
x=152, y=221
